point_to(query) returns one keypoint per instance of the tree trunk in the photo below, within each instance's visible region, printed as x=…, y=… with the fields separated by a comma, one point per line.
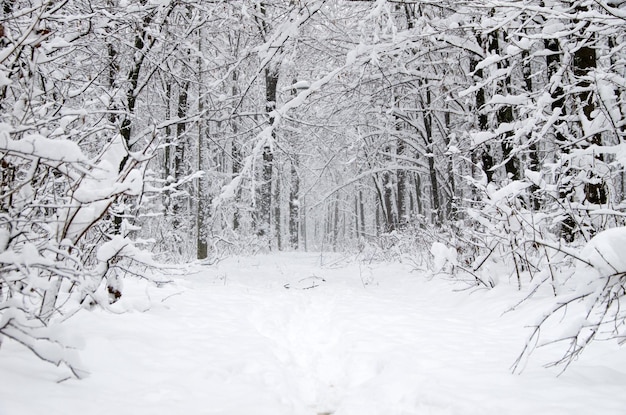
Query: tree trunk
x=202, y=247
x=436, y=214
x=263, y=222
x=167, y=168
x=390, y=222
x=303, y=227
x=276, y=209
x=335, y=224
x=294, y=207
x=481, y=155
x=401, y=187
x=584, y=63
x=179, y=153
x=451, y=207
x=380, y=206
x=553, y=63
x=505, y=115
x=361, y=207
x=533, y=153
x=235, y=153
x=419, y=206
x=265, y=194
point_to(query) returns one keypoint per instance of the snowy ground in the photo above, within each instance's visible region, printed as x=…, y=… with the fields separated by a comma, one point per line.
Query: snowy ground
x=370, y=339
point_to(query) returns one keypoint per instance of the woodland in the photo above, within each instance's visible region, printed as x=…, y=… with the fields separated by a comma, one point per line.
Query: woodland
x=483, y=139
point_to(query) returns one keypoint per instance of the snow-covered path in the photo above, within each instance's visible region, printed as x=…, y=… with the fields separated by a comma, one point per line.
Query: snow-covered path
x=250, y=337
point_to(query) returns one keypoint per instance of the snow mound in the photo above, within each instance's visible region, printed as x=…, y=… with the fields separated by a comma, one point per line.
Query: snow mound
x=443, y=257
x=606, y=251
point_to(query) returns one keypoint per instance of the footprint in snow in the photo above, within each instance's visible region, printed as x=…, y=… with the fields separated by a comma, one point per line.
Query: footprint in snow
x=306, y=283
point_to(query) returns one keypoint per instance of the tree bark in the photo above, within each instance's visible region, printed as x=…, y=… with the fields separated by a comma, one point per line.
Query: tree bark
x=276, y=208
x=202, y=247
x=482, y=154
x=390, y=221
x=180, y=169
x=584, y=63
x=235, y=154
x=401, y=186
x=294, y=207
x=534, y=163
x=436, y=214
x=265, y=194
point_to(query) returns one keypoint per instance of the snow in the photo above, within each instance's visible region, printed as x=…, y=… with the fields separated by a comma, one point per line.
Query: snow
x=111, y=248
x=95, y=192
x=301, y=85
x=534, y=177
x=489, y=60
x=28, y=256
x=4, y=79
x=512, y=100
x=5, y=236
x=442, y=255
x=56, y=43
x=605, y=251
x=481, y=137
x=40, y=146
x=553, y=27
x=512, y=50
x=510, y=190
x=304, y=333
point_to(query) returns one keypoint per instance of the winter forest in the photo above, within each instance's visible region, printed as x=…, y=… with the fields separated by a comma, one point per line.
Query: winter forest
x=481, y=141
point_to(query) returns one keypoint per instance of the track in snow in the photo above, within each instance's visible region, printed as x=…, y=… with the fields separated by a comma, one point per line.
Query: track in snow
x=284, y=334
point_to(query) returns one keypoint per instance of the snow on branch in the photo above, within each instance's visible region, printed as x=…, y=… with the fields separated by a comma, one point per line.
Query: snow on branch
x=265, y=137
x=38, y=146
x=593, y=310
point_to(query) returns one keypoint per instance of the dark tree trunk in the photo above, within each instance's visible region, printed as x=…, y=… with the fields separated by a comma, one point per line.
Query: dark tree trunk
x=418, y=208
x=359, y=213
x=167, y=168
x=533, y=150
x=436, y=214
x=202, y=213
x=380, y=206
x=390, y=222
x=483, y=152
x=294, y=208
x=235, y=153
x=180, y=169
x=553, y=63
x=265, y=193
x=276, y=208
x=584, y=63
x=451, y=202
x=401, y=185
x=505, y=115
x=294, y=195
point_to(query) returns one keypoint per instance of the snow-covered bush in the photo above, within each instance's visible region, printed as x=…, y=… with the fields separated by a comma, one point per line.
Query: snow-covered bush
x=499, y=236
x=69, y=181
x=522, y=229
x=593, y=306
x=409, y=244
x=444, y=258
x=60, y=249
x=551, y=249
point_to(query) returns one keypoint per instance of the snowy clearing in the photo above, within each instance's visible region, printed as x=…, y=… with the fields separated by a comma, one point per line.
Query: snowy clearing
x=309, y=334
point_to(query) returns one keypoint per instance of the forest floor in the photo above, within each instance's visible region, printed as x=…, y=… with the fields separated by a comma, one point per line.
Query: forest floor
x=306, y=334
